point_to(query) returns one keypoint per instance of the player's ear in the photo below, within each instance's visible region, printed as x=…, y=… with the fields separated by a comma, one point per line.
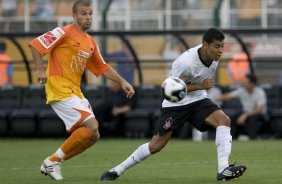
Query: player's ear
x=74, y=15
x=205, y=44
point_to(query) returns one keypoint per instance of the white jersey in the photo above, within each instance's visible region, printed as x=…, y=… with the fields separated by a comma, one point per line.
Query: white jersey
x=189, y=65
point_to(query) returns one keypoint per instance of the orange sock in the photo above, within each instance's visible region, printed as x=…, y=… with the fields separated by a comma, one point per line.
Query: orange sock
x=86, y=144
x=79, y=141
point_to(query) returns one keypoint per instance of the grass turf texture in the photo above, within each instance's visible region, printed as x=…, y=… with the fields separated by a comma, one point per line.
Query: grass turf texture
x=182, y=161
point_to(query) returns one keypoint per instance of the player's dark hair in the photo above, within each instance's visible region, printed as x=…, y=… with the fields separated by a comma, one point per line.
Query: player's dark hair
x=252, y=78
x=80, y=2
x=213, y=34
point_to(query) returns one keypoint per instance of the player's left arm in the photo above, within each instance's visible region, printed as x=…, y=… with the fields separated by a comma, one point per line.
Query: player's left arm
x=184, y=71
x=111, y=74
x=98, y=67
x=204, y=85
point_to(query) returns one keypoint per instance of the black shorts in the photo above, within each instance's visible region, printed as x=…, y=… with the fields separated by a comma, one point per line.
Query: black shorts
x=194, y=113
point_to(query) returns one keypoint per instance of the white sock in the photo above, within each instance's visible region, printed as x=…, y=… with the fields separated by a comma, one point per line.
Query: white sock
x=60, y=154
x=141, y=153
x=223, y=142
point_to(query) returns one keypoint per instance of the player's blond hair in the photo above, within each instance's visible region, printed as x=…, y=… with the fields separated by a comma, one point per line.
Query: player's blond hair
x=80, y=2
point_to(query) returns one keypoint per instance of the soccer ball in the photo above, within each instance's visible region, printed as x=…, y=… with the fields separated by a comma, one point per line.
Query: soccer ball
x=174, y=89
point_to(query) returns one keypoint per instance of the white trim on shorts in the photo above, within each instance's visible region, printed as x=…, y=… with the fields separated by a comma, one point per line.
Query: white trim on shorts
x=73, y=111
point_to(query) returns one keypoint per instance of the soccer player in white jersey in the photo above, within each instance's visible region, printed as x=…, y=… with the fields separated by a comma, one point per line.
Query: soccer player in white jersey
x=196, y=67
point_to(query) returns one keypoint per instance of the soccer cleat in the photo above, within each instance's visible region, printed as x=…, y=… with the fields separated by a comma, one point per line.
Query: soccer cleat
x=52, y=169
x=109, y=175
x=231, y=172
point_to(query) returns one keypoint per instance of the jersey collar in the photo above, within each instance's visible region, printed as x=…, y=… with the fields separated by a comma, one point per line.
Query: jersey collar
x=207, y=65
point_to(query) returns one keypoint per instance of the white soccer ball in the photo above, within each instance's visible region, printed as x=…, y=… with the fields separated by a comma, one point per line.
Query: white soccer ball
x=174, y=89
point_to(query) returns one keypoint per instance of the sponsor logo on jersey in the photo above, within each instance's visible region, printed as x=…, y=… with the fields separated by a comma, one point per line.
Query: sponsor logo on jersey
x=51, y=37
x=78, y=63
x=83, y=54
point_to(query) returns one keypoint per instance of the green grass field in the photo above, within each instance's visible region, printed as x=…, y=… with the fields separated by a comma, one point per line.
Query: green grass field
x=182, y=161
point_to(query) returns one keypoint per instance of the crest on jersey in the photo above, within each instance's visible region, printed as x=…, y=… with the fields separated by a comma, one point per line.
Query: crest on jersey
x=91, y=50
x=168, y=123
x=51, y=37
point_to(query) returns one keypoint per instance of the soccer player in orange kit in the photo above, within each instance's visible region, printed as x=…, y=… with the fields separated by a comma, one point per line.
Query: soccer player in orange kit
x=71, y=50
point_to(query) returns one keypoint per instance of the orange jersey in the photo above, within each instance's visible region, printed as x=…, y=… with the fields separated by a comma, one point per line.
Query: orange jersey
x=70, y=53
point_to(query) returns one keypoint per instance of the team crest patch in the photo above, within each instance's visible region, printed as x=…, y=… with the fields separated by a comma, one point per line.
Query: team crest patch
x=168, y=123
x=91, y=50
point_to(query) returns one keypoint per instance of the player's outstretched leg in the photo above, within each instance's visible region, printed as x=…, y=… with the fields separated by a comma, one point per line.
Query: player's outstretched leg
x=231, y=172
x=141, y=153
x=52, y=169
x=137, y=156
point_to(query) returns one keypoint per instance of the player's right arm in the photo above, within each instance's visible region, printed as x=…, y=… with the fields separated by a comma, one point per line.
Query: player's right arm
x=40, y=70
x=42, y=45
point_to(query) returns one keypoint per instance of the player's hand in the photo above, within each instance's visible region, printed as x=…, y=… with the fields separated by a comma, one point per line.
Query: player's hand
x=208, y=83
x=128, y=89
x=41, y=77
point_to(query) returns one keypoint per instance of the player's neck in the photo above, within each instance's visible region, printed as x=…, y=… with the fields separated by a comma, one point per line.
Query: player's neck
x=80, y=29
x=204, y=57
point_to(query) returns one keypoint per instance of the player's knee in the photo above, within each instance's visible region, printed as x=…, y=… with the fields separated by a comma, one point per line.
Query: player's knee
x=95, y=136
x=91, y=134
x=154, y=148
x=92, y=126
x=225, y=121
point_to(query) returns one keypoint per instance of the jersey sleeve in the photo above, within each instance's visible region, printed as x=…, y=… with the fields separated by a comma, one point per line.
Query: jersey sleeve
x=180, y=69
x=46, y=42
x=97, y=65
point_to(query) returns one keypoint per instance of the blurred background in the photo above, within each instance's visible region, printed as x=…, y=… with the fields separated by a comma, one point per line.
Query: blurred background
x=140, y=38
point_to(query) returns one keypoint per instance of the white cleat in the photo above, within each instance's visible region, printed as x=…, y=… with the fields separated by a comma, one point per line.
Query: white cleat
x=52, y=169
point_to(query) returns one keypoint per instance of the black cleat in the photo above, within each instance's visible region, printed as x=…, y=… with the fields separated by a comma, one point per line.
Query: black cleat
x=231, y=172
x=109, y=175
